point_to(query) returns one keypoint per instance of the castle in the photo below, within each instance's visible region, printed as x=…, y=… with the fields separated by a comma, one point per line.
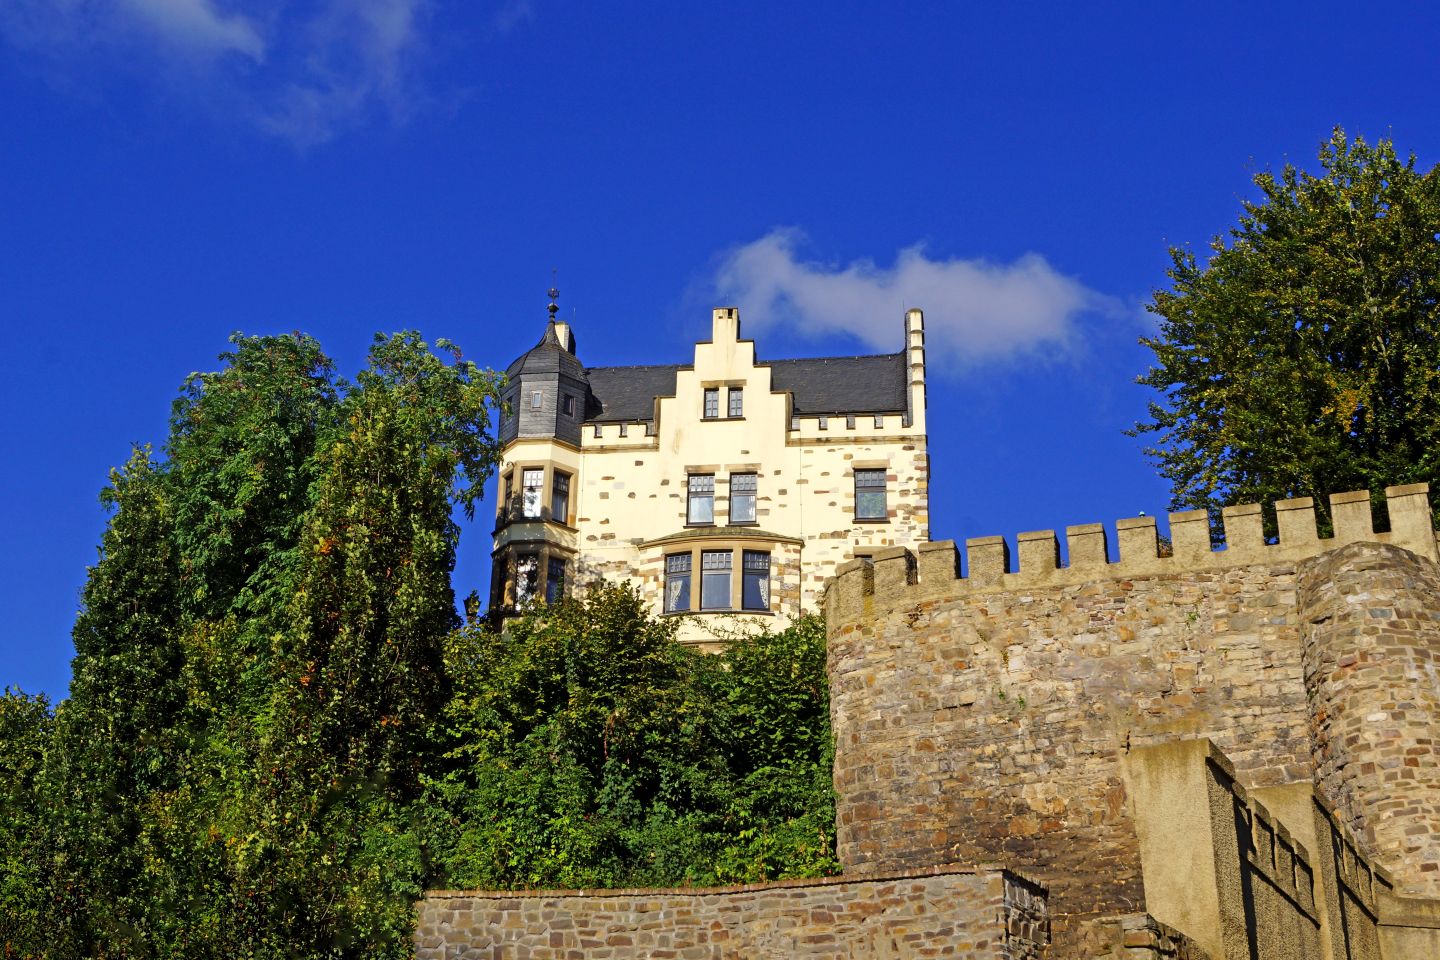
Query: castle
x=1184, y=753
x=728, y=490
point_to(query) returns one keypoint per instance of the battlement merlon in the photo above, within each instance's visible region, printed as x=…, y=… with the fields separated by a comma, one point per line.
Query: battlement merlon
x=935, y=571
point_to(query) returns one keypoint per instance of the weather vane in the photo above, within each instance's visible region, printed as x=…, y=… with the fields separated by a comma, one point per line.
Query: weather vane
x=554, y=307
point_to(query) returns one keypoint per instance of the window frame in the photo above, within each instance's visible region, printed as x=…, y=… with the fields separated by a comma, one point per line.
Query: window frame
x=710, y=404
x=537, y=399
x=694, y=495
x=864, y=478
x=527, y=511
x=746, y=575
x=712, y=574
x=735, y=403
x=559, y=478
x=567, y=405
x=524, y=594
x=681, y=574
x=752, y=495
x=555, y=586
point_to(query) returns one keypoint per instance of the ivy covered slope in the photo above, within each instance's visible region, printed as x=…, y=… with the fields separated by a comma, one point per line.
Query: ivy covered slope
x=278, y=733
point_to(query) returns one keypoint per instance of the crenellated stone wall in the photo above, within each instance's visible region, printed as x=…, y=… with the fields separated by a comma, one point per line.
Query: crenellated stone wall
x=987, y=717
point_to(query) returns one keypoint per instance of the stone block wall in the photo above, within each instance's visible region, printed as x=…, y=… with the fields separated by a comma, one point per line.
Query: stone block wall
x=1372, y=672
x=985, y=717
x=968, y=914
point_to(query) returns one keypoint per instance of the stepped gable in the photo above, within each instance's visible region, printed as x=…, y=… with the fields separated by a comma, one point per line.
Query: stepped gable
x=898, y=576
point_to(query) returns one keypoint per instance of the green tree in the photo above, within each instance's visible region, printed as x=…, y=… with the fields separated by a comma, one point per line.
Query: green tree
x=112, y=748
x=1304, y=357
x=25, y=729
x=357, y=675
x=586, y=748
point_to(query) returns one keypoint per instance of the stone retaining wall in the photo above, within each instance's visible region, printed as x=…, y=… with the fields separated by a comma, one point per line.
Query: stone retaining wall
x=968, y=914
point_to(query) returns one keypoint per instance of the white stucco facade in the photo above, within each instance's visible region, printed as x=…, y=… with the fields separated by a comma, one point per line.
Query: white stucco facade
x=633, y=490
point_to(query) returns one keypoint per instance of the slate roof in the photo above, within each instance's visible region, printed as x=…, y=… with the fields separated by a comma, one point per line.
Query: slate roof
x=820, y=385
x=547, y=356
x=627, y=394
x=840, y=385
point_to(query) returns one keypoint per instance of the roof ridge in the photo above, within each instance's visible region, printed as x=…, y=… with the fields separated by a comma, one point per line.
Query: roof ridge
x=847, y=356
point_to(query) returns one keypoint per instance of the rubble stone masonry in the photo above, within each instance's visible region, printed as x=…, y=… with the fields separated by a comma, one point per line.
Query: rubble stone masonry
x=965, y=914
x=985, y=718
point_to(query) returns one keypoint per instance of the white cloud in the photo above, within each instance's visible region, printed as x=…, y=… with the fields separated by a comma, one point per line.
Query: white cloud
x=197, y=26
x=305, y=70
x=975, y=310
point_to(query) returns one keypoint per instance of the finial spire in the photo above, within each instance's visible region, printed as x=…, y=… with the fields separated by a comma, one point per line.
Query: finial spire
x=554, y=307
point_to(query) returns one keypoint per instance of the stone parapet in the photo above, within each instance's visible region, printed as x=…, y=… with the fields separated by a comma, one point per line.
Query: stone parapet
x=935, y=569
x=949, y=911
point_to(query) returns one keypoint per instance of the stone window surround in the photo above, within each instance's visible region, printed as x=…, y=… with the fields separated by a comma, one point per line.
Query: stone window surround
x=544, y=553
x=736, y=546
x=721, y=477
x=514, y=471
x=722, y=390
x=870, y=465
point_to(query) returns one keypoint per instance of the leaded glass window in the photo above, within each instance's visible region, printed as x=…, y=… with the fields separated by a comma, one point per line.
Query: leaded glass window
x=555, y=580
x=755, y=590
x=701, y=503
x=715, y=568
x=527, y=575
x=677, y=582
x=742, y=497
x=560, y=498
x=870, y=495
x=530, y=481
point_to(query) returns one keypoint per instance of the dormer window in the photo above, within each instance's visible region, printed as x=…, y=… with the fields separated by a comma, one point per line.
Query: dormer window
x=569, y=406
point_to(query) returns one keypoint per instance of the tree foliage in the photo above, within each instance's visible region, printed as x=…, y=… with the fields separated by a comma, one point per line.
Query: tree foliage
x=1304, y=357
x=278, y=734
x=588, y=749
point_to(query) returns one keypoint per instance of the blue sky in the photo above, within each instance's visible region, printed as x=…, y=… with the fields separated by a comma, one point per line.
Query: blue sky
x=174, y=170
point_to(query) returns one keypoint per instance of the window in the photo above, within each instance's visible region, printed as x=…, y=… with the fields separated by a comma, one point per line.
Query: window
x=870, y=495
x=737, y=401
x=850, y=422
x=560, y=498
x=742, y=497
x=700, y=507
x=755, y=590
x=794, y=423
x=527, y=572
x=715, y=579
x=555, y=581
x=535, y=399
x=623, y=428
x=822, y=423
x=879, y=422
x=530, y=481
x=505, y=505
x=712, y=403
x=569, y=406
x=598, y=431
x=677, y=582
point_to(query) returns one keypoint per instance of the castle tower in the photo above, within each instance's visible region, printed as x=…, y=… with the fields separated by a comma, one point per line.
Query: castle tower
x=545, y=405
